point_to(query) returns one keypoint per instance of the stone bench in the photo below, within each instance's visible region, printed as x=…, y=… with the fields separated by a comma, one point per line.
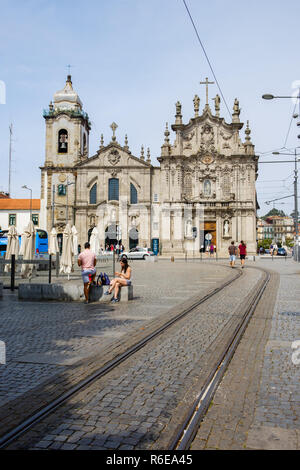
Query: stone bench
x=69, y=291
x=97, y=294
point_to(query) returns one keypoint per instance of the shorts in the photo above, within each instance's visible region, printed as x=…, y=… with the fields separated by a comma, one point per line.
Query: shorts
x=232, y=257
x=85, y=275
x=242, y=256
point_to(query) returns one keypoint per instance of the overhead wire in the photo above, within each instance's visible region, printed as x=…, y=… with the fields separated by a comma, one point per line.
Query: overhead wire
x=204, y=51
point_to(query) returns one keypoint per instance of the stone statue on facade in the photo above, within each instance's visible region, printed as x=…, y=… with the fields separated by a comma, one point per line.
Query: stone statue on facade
x=226, y=228
x=217, y=101
x=189, y=228
x=196, y=102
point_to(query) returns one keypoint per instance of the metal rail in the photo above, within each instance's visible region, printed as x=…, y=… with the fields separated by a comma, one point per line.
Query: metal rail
x=17, y=431
x=189, y=429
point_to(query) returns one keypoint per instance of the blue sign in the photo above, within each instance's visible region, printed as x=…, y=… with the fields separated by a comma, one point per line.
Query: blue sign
x=155, y=245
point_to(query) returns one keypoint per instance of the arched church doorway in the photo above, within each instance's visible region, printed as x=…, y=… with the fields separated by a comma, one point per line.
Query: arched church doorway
x=133, y=238
x=111, y=235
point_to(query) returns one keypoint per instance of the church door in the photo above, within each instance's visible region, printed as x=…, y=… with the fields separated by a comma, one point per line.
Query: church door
x=133, y=238
x=210, y=231
x=111, y=235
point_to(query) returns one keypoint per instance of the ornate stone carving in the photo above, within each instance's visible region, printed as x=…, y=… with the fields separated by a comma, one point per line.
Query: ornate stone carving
x=207, y=159
x=114, y=157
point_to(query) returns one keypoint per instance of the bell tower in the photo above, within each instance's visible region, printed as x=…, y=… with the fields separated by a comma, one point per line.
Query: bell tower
x=67, y=144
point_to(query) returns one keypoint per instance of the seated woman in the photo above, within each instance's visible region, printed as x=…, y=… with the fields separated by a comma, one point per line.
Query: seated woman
x=122, y=279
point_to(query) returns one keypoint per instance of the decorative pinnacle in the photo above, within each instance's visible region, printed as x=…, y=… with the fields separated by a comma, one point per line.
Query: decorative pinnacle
x=167, y=133
x=101, y=141
x=148, y=156
x=142, y=153
x=51, y=106
x=248, y=132
x=126, y=141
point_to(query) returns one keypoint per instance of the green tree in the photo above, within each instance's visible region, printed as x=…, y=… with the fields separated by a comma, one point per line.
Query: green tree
x=273, y=211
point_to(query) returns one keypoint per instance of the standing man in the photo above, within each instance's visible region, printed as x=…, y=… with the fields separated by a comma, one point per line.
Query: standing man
x=243, y=252
x=87, y=261
x=232, y=253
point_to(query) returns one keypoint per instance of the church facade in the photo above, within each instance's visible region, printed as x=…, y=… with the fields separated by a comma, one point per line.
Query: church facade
x=202, y=191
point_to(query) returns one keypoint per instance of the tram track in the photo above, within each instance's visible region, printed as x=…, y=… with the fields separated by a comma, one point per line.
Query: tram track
x=188, y=430
x=180, y=441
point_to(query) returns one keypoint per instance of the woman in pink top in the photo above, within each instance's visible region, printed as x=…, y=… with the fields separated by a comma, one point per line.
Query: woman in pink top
x=87, y=261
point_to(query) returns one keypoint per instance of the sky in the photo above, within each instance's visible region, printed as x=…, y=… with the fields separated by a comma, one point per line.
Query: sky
x=131, y=60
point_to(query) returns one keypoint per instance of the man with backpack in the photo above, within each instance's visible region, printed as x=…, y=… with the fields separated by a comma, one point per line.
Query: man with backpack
x=232, y=250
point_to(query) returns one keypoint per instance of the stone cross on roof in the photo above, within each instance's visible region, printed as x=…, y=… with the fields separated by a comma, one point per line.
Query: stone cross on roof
x=206, y=83
x=114, y=128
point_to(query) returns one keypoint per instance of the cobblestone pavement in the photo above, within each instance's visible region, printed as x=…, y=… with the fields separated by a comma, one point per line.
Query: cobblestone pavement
x=46, y=338
x=134, y=406
x=257, y=405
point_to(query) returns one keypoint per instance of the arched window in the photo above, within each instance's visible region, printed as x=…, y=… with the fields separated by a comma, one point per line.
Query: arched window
x=63, y=141
x=93, y=194
x=133, y=194
x=113, y=189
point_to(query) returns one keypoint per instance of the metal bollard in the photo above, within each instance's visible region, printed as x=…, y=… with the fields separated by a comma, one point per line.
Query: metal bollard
x=50, y=259
x=12, y=272
x=57, y=264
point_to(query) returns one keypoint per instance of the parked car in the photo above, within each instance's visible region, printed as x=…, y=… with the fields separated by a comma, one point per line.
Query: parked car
x=281, y=252
x=138, y=253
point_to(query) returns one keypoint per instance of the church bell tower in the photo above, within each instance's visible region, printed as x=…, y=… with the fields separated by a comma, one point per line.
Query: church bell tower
x=67, y=144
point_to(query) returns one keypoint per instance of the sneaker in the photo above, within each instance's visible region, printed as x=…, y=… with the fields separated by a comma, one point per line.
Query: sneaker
x=107, y=293
x=115, y=300
x=86, y=302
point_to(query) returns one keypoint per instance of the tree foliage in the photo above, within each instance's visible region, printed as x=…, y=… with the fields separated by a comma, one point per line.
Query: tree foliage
x=272, y=212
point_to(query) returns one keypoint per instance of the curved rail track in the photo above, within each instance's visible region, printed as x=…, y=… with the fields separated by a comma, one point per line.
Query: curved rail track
x=189, y=428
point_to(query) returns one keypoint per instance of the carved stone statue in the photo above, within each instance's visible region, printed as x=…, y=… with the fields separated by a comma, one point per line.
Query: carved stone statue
x=217, y=101
x=226, y=228
x=196, y=101
x=189, y=229
x=236, y=107
x=178, y=108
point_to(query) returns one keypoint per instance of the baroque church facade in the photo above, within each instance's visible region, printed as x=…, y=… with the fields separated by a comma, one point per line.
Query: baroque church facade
x=202, y=191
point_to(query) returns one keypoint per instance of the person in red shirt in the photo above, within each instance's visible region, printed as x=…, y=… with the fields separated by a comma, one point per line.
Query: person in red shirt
x=243, y=252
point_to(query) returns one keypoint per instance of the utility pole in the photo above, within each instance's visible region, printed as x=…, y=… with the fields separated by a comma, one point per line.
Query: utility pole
x=296, y=204
x=53, y=202
x=9, y=159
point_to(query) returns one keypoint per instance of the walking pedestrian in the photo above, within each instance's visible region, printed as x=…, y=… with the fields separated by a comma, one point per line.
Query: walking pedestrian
x=211, y=250
x=243, y=252
x=232, y=250
x=87, y=262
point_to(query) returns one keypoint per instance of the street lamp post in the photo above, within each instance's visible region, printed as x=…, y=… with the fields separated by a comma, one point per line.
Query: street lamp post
x=29, y=189
x=295, y=194
x=271, y=97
